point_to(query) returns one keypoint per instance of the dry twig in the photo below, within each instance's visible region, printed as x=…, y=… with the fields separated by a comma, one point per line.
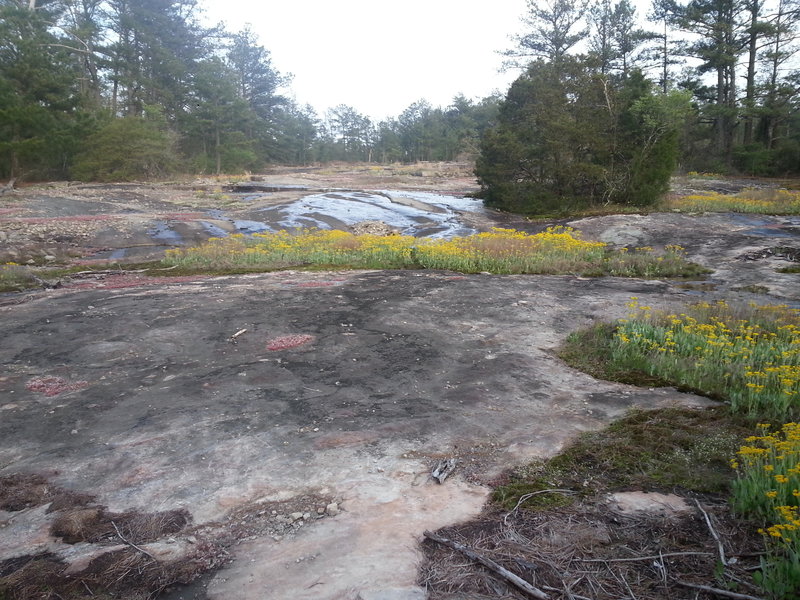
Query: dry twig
x=131, y=544
x=714, y=534
x=490, y=564
x=716, y=591
x=637, y=558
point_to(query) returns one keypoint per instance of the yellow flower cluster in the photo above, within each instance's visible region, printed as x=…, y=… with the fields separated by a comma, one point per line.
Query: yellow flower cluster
x=768, y=481
x=748, y=201
x=556, y=250
x=754, y=361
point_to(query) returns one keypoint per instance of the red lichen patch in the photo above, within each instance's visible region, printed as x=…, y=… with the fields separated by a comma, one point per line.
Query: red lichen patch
x=286, y=342
x=315, y=284
x=8, y=211
x=70, y=219
x=51, y=385
x=182, y=216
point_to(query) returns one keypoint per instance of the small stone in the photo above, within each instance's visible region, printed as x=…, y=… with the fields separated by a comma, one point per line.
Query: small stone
x=332, y=509
x=307, y=515
x=191, y=539
x=49, y=257
x=296, y=516
x=321, y=510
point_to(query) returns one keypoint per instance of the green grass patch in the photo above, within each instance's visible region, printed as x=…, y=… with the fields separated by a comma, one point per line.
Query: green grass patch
x=753, y=289
x=15, y=278
x=759, y=201
x=748, y=356
x=557, y=250
x=658, y=450
x=767, y=489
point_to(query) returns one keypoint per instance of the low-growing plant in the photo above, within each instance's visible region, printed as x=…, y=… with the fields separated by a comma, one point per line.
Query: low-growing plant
x=767, y=487
x=749, y=356
x=505, y=251
x=14, y=277
x=763, y=201
x=653, y=450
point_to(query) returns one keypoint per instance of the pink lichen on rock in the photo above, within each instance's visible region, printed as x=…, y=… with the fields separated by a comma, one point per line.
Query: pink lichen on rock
x=51, y=385
x=286, y=342
x=315, y=284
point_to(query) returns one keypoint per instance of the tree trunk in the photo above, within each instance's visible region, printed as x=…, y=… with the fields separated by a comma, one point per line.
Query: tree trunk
x=666, y=60
x=721, y=106
x=751, y=75
x=218, y=153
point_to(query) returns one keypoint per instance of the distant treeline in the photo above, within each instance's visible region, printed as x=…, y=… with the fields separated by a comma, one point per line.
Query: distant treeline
x=120, y=89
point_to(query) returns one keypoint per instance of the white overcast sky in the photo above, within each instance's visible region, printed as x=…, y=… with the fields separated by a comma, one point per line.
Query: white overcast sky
x=379, y=56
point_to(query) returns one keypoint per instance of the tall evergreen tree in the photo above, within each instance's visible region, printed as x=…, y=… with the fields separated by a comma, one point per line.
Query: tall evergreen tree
x=554, y=27
x=38, y=96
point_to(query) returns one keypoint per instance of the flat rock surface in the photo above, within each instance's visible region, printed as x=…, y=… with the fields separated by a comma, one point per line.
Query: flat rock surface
x=398, y=370
x=346, y=386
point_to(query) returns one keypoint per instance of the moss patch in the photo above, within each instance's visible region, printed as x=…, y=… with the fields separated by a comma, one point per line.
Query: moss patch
x=659, y=450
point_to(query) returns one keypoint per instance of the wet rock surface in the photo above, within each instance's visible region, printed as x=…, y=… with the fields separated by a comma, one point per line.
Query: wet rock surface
x=300, y=449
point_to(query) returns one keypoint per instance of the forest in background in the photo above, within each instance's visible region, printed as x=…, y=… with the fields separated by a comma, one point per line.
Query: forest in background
x=123, y=89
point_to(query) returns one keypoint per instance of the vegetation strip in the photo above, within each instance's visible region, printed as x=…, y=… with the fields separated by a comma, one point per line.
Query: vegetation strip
x=748, y=356
x=557, y=250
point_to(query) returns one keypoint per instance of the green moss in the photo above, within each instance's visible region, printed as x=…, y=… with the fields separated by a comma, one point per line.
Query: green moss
x=659, y=450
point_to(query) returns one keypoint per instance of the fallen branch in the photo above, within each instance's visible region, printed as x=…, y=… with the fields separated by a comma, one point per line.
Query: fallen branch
x=443, y=469
x=232, y=339
x=716, y=591
x=489, y=564
x=714, y=534
x=637, y=558
x=131, y=544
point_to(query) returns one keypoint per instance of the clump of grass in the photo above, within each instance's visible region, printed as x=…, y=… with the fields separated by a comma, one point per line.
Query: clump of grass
x=703, y=175
x=653, y=450
x=14, y=278
x=767, y=488
x=765, y=201
x=504, y=251
x=753, y=289
x=749, y=356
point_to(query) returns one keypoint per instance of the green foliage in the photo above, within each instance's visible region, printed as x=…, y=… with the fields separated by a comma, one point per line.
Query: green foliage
x=651, y=450
x=766, y=489
x=127, y=149
x=570, y=137
x=555, y=251
x=747, y=356
x=38, y=95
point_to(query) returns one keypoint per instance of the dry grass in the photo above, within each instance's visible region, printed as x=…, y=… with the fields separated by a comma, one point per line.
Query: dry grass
x=586, y=551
